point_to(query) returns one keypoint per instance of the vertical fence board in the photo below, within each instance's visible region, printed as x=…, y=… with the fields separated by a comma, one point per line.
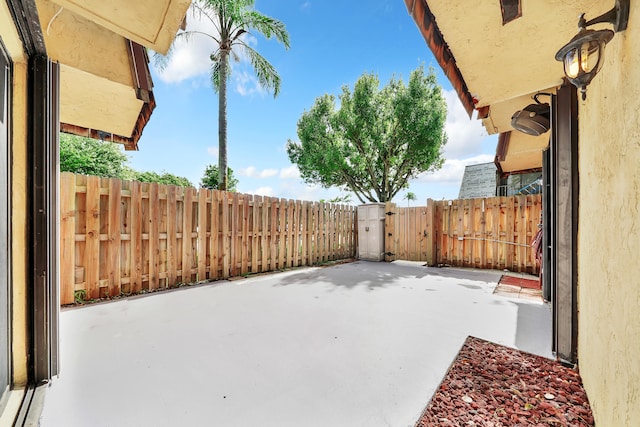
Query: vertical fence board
x=273, y=238
x=496, y=232
x=282, y=211
x=136, y=237
x=202, y=234
x=297, y=234
x=224, y=235
x=430, y=236
x=187, y=221
x=214, y=262
x=154, y=238
x=244, y=215
x=233, y=242
x=330, y=230
x=313, y=233
x=390, y=247
x=115, y=186
x=264, y=234
x=92, y=238
x=256, y=216
x=324, y=237
x=289, y=233
x=67, y=237
x=304, y=233
x=172, y=241
x=510, y=231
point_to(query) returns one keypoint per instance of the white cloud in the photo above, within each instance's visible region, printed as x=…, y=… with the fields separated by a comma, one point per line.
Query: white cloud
x=301, y=191
x=268, y=173
x=464, y=135
x=453, y=170
x=291, y=172
x=190, y=59
x=249, y=171
x=252, y=172
x=262, y=191
x=246, y=83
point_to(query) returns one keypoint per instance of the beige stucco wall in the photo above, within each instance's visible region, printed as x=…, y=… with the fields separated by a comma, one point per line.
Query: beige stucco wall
x=152, y=23
x=79, y=43
x=18, y=154
x=609, y=234
x=18, y=222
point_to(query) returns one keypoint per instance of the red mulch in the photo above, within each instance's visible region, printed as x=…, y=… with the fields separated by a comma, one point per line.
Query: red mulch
x=520, y=281
x=490, y=385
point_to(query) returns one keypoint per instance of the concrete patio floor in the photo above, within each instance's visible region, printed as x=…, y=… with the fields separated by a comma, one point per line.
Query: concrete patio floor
x=358, y=344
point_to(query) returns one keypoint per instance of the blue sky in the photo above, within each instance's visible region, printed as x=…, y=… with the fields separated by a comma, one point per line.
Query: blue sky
x=333, y=42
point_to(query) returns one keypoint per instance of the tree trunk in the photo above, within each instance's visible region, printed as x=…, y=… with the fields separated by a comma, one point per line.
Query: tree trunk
x=222, y=122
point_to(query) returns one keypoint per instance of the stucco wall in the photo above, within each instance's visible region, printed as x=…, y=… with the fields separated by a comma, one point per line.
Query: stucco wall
x=18, y=155
x=19, y=223
x=609, y=234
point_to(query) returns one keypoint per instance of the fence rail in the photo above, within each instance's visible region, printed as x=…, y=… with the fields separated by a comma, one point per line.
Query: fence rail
x=490, y=233
x=126, y=236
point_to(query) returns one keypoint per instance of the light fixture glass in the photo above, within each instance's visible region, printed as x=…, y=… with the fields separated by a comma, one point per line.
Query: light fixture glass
x=583, y=56
x=572, y=63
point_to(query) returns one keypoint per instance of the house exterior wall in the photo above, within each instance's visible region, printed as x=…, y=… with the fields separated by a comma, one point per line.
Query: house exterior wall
x=19, y=223
x=18, y=211
x=609, y=233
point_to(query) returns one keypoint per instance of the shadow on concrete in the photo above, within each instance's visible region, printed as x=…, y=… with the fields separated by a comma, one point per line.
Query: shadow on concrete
x=381, y=274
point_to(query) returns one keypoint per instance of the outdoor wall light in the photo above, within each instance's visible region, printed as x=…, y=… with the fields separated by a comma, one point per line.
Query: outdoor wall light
x=534, y=119
x=583, y=56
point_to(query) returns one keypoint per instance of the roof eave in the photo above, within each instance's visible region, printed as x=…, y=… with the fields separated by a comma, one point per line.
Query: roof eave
x=426, y=22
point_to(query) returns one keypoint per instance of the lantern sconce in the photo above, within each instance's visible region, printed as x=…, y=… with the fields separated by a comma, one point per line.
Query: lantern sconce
x=534, y=119
x=583, y=56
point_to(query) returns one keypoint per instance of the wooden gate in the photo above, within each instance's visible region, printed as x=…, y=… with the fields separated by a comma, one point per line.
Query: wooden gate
x=491, y=233
x=409, y=233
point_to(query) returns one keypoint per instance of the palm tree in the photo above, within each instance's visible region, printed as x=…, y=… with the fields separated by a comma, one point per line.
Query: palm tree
x=410, y=196
x=233, y=20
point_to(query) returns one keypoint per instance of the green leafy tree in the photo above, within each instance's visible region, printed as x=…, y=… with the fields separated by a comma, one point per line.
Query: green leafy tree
x=211, y=178
x=92, y=157
x=163, y=178
x=232, y=19
x=376, y=140
x=410, y=197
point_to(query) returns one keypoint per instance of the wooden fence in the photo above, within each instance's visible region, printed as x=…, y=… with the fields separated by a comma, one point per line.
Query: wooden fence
x=491, y=233
x=126, y=236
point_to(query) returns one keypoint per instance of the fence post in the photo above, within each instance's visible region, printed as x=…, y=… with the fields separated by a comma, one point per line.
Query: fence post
x=154, y=235
x=172, y=240
x=68, y=237
x=92, y=238
x=431, y=235
x=390, y=247
x=255, y=228
x=214, y=245
x=115, y=273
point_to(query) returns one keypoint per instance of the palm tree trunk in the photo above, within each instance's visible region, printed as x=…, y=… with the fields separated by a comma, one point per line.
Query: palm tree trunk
x=222, y=122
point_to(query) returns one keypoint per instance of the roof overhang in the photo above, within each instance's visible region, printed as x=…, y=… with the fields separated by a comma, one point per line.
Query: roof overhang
x=105, y=84
x=518, y=152
x=151, y=23
x=500, y=66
